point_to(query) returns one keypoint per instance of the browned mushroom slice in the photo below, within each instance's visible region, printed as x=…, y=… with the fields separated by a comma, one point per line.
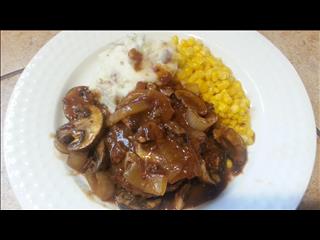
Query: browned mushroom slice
x=86, y=129
x=205, y=176
x=79, y=161
x=60, y=146
x=190, y=100
x=101, y=184
x=104, y=109
x=80, y=134
x=63, y=137
x=75, y=102
x=234, y=145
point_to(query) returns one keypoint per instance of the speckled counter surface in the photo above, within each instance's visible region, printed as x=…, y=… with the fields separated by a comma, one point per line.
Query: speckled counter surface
x=302, y=48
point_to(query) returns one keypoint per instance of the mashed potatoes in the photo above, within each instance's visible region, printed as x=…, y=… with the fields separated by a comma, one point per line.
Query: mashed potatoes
x=117, y=75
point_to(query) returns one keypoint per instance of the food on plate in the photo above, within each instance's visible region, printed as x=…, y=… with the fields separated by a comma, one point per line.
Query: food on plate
x=204, y=74
x=145, y=137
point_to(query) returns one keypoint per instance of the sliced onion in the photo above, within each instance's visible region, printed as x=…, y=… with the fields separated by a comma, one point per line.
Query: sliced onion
x=155, y=184
x=126, y=111
x=199, y=123
x=190, y=100
x=161, y=105
x=131, y=97
x=232, y=142
x=101, y=184
x=78, y=161
x=175, y=128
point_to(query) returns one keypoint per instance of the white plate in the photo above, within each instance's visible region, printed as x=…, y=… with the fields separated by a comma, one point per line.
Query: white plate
x=280, y=162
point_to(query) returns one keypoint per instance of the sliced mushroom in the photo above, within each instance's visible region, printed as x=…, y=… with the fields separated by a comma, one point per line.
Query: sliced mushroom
x=80, y=134
x=190, y=100
x=63, y=137
x=234, y=145
x=101, y=184
x=79, y=161
x=60, y=146
x=75, y=102
x=104, y=109
x=205, y=176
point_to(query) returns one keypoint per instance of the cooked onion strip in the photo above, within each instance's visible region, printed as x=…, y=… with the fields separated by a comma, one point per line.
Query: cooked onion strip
x=199, y=123
x=126, y=111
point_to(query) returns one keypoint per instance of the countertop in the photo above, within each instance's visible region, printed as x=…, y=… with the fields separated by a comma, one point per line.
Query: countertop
x=302, y=48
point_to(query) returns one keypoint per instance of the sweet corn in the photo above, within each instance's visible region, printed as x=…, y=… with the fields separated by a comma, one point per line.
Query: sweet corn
x=229, y=164
x=206, y=75
x=175, y=40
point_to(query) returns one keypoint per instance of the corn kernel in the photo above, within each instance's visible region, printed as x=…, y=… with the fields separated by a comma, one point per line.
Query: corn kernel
x=206, y=96
x=234, y=108
x=229, y=163
x=227, y=99
x=223, y=75
x=222, y=107
x=197, y=48
x=192, y=87
x=187, y=71
x=191, y=41
x=175, y=40
x=250, y=133
x=203, y=87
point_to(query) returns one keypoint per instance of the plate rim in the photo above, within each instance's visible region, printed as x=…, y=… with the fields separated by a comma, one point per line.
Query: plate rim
x=61, y=34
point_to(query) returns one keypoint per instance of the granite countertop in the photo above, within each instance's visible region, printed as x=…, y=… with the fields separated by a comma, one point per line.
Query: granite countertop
x=302, y=48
